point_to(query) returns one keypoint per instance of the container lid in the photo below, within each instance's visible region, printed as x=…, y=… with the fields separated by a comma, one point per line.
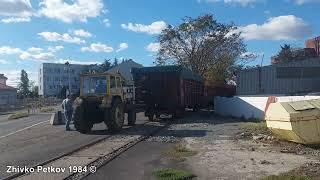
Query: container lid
x=301, y=105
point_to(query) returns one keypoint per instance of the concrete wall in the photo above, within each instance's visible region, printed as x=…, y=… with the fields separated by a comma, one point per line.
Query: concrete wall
x=250, y=106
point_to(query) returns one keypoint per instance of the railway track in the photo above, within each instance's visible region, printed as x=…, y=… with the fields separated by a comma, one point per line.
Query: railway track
x=95, y=154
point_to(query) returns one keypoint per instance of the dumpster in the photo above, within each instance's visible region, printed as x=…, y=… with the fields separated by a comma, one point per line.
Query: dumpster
x=297, y=121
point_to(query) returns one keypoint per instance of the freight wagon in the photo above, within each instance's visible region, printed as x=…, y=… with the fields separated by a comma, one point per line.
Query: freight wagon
x=167, y=90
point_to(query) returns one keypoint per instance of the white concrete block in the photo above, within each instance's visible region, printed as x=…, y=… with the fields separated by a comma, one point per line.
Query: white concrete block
x=250, y=106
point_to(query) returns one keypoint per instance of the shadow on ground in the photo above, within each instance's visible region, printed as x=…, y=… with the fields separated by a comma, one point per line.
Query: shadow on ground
x=188, y=120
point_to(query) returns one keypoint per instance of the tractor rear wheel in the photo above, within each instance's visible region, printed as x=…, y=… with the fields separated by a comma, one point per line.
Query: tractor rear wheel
x=132, y=117
x=79, y=120
x=116, y=116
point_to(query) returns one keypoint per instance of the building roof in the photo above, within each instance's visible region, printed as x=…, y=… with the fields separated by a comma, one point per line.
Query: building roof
x=5, y=87
x=185, y=73
x=3, y=77
x=125, y=69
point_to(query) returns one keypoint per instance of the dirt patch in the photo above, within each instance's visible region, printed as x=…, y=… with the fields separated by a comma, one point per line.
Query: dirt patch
x=179, y=152
x=227, y=149
x=259, y=133
x=307, y=171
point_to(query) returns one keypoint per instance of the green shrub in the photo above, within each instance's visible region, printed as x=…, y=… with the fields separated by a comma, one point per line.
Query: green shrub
x=173, y=174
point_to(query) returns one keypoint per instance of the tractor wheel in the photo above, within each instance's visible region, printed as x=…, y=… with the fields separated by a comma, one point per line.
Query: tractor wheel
x=132, y=117
x=116, y=116
x=79, y=121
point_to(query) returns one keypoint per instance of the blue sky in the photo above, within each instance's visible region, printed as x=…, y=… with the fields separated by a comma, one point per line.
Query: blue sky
x=33, y=32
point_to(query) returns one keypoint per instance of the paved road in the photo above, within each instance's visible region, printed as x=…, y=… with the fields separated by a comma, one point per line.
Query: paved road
x=8, y=127
x=40, y=142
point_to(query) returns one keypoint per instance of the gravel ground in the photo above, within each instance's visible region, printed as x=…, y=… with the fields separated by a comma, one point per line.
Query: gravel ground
x=226, y=152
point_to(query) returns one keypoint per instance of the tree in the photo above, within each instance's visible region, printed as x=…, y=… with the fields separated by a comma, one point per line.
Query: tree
x=115, y=62
x=101, y=68
x=23, y=86
x=62, y=93
x=289, y=54
x=106, y=65
x=33, y=90
x=203, y=45
x=285, y=54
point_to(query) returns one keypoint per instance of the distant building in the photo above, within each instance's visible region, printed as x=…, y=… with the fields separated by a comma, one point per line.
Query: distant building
x=291, y=78
x=315, y=44
x=53, y=77
x=8, y=94
x=125, y=70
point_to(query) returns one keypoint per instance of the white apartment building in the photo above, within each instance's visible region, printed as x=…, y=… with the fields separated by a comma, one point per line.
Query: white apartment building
x=53, y=77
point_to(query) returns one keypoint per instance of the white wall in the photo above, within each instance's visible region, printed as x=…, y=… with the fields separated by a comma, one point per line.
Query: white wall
x=249, y=106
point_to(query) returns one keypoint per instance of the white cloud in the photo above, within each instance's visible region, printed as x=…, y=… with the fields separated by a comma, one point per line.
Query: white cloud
x=55, y=48
x=153, y=47
x=122, y=47
x=14, y=76
x=16, y=20
x=84, y=62
x=97, y=47
x=287, y=27
x=42, y=56
x=243, y=3
x=35, y=50
x=107, y=22
x=301, y=2
x=15, y=8
x=82, y=33
x=9, y=50
x=2, y=61
x=69, y=11
x=249, y=55
x=54, y=37
x=153, y=28
x=32, y=53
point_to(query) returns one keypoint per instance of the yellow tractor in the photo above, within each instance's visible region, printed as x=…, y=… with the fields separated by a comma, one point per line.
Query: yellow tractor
x=103, y=98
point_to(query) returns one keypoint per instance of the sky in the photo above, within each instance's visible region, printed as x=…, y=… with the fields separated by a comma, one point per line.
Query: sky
x=86, y=32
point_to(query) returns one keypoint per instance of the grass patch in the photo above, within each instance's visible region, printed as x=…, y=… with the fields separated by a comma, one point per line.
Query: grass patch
x=18, y=115
x=286, y=177
x=179, y=152
x=257, y=128
x=173, y=174
x=44, y=110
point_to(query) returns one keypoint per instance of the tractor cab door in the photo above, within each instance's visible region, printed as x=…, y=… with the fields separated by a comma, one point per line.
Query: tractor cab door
x=115, y=86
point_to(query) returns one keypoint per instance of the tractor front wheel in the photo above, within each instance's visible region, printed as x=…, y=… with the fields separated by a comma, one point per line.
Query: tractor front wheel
x=78, y=118
x=116, y=116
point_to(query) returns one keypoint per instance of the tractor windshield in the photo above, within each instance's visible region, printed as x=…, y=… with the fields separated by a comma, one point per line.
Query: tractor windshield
x=94, y=85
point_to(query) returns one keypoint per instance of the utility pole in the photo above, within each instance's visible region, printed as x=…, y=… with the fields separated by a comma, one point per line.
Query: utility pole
x=69, y=82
